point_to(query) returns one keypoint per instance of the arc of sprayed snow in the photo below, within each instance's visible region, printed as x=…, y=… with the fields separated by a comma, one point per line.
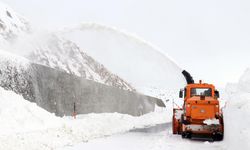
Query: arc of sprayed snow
x=127, y=35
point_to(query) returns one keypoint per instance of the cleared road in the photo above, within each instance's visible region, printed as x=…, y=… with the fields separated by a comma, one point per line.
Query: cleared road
x=153, y=138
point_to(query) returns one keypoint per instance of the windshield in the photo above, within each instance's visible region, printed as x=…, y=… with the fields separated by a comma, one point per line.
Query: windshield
x=201, y=92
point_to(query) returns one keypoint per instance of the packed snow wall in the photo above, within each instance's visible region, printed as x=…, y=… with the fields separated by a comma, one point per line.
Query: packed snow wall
x=236, y=113
x=57, y=91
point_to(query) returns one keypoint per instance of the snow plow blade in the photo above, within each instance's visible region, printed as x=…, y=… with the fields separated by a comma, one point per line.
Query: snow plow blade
x=202, y=138
x=176, y=121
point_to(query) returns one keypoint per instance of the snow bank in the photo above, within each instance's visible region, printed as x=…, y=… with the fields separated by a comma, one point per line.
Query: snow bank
x=236, y=114
x=18, y=115
x=244, y=83
x=83, y=129
x=90, y=126
x=24, y=125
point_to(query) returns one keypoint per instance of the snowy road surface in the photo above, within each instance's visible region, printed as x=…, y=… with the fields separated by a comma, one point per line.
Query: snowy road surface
x=153, y=138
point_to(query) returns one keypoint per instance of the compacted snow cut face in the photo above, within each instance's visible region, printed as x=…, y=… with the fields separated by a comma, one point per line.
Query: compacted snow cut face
x=236, y=114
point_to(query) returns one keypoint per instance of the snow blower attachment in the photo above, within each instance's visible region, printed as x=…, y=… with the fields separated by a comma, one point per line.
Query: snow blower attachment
x=200, y=115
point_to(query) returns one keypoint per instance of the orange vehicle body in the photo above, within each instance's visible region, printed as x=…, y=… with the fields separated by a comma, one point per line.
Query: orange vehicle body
x=200, y=113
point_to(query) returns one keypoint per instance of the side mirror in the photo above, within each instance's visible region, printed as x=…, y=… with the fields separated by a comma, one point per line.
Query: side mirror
x=217, y=93
x=181, y=94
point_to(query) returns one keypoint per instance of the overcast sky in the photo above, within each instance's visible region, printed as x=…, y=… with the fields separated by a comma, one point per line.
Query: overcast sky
x=209, y=38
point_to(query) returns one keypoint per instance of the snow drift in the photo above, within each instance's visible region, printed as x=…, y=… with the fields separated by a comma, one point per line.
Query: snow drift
x=19, y=115
x=237, y=112
x=131, y=58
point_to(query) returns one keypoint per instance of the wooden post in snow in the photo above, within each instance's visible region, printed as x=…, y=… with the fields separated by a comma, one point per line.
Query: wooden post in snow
x=74, y=112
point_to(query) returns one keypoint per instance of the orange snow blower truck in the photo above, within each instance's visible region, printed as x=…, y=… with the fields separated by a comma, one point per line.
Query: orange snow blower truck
x=200, y=115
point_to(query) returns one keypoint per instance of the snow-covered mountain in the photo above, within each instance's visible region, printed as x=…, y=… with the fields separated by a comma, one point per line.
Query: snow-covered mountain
x=11, y=24
x=52, y=51
x=95, y=52
x=65, y=55
x=135, y=60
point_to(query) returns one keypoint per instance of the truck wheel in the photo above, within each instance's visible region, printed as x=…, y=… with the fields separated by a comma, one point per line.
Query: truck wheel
x=183, y=135
x=218, y=137
x=189, y=135
x=186, y=135
x=179, y=127
x=185, y=122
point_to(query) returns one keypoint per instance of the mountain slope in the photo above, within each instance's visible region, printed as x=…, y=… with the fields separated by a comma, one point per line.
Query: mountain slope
x=131, y=58
x=52, y=51
x=14, y=74
x=85, y=50
x=11, y=24
x=65, y=55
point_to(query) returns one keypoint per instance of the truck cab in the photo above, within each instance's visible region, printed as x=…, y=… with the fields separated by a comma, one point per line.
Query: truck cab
x=200, y=102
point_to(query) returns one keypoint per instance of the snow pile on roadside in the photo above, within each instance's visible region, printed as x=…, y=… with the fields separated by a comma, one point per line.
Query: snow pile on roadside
x=91, y=126
x=18, y=115
x=236, y=114
x=24, y=125
x=74, y=131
